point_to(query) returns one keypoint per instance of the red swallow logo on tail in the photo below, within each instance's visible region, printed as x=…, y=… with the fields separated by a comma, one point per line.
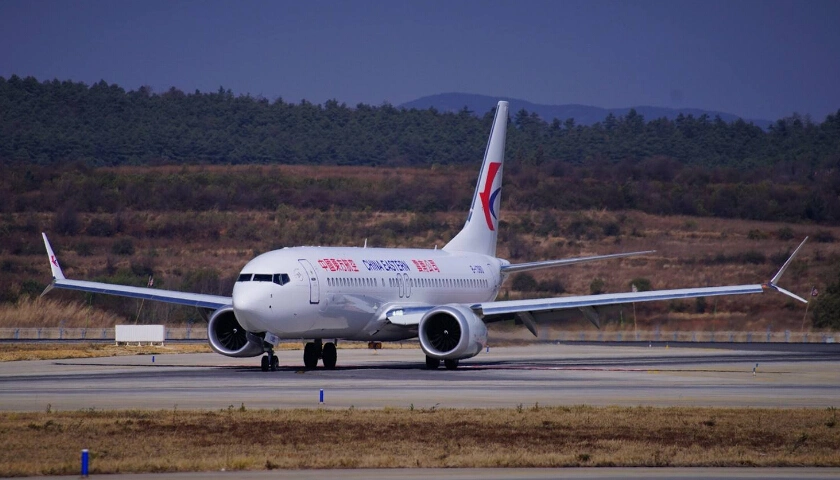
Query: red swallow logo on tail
x=488, y=198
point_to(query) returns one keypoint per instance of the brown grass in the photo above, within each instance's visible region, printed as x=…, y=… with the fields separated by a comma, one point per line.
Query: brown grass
x=39, y=312
x=52, y=351
x=531, y=436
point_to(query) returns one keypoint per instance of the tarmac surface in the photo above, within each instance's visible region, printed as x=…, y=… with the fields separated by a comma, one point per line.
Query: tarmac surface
x=549, y=374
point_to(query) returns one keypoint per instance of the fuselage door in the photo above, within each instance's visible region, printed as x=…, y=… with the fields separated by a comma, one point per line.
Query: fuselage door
x=314, y=290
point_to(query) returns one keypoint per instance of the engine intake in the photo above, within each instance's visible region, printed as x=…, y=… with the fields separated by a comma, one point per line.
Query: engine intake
x=452, y=332
x=228, y=337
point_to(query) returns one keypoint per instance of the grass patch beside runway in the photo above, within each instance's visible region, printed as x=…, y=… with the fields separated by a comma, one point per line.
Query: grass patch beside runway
x=238, y=438
x=11, y=352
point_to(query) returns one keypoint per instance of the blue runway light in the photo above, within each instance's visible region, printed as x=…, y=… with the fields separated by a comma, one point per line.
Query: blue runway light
x=321, y=396
x=85, y=462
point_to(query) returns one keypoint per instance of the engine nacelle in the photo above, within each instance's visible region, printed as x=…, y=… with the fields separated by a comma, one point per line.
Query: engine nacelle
x=452, y=332
x=228, y=337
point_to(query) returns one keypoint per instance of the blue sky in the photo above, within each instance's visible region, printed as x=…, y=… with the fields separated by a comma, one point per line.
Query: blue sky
x=758, y=59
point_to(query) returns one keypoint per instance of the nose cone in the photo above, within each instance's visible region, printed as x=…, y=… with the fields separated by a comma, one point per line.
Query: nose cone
x=251, y=305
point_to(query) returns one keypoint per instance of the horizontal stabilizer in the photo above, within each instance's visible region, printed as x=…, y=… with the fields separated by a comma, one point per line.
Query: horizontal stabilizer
x=524, y=267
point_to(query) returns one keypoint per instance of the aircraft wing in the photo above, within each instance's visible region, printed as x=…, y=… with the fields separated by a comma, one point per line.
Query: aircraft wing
x=527, y=310
x=168, y=296
x=493, y=311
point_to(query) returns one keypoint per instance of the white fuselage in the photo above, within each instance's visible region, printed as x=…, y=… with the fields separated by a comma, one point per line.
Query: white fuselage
x=345, y=292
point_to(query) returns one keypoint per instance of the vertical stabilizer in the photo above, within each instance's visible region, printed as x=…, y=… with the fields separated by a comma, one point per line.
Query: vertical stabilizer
x=479, y=233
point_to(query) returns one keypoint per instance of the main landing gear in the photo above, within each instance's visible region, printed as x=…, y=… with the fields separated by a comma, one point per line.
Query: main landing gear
x=269, y=361
x=314, y=351
x=434, y=363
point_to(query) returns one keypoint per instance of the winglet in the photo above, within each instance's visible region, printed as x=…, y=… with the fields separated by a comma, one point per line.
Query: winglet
x=772, y=285
x=56, y=269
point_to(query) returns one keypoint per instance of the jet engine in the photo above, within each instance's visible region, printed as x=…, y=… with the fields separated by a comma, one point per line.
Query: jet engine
x=452, y=332
x=228, y=337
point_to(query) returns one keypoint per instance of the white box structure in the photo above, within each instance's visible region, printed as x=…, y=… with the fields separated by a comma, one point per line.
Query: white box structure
x=139, y=334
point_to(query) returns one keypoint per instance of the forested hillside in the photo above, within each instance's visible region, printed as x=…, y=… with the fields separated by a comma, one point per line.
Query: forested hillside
x=54, y=121
x=583, y=114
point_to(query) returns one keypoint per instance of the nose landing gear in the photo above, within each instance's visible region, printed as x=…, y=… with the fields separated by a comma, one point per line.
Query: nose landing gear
x=269, y=362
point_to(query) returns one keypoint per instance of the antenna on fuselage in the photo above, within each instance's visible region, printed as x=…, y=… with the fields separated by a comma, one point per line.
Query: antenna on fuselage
x=365, y=245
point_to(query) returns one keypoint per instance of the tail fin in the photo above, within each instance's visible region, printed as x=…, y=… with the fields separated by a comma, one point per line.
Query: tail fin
x=479, y=233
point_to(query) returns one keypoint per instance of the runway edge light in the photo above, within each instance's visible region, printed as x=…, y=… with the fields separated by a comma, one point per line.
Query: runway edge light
x=85, y=462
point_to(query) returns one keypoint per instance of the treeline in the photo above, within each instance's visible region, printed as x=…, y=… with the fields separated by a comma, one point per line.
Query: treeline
x=657, y=186
x=57, y=121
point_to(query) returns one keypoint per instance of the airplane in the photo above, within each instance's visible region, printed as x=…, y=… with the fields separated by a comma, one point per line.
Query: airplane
x=445, y=297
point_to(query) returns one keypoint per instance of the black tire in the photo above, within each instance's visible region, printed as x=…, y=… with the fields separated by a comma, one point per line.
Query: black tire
x=264, y=363
x=329, y=356
x=274, y=364
x=310, y=355
x=451, y=364
x=432, y=363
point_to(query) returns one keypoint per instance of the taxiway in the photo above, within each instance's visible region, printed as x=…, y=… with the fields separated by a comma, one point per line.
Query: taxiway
x=548, y=374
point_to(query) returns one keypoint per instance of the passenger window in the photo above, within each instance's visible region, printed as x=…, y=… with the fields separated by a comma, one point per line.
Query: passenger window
x=244, y=277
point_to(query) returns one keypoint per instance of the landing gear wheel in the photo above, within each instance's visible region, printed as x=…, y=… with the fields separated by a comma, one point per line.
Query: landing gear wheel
x=329, y=355
x=264, y=363
x=432, y=363
x=311, y=355
x=451, y=364
x=274, y=363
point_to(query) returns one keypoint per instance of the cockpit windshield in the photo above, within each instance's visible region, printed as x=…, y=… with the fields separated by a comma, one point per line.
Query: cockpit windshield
x=278, y=278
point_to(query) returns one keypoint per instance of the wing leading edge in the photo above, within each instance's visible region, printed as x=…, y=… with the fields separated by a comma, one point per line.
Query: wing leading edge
x=168, y=296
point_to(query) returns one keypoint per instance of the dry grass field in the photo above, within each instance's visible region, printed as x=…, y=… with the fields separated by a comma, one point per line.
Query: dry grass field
x=53, y=351
x=237, y=438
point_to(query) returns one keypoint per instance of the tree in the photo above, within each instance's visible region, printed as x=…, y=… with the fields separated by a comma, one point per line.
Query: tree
x=524, y=282
x=826, y=311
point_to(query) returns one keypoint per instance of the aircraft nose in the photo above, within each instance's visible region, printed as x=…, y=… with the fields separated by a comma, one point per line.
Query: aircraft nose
x=248, y=306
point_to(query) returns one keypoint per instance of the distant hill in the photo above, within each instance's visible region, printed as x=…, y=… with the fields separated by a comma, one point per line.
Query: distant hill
x=583, y=114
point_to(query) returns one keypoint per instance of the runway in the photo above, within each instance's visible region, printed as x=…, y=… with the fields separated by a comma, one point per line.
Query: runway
x=548, y=374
